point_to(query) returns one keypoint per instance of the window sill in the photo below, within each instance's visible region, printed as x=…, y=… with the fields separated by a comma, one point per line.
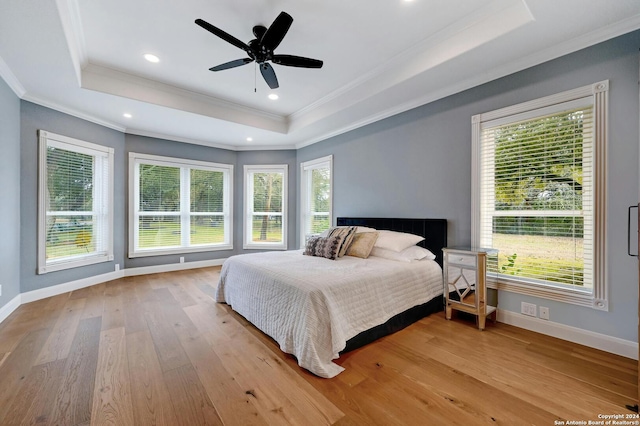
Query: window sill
x=61, y=266
x=179, y=250
x=574, y=297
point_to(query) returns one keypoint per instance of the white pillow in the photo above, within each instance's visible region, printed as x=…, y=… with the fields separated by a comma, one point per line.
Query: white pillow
x=396, y=241
x=407, y=255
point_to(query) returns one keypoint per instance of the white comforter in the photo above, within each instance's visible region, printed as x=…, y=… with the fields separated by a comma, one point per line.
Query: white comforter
x=311, y=306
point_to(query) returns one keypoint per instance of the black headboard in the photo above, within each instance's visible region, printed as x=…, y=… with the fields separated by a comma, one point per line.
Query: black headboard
x=434, y=231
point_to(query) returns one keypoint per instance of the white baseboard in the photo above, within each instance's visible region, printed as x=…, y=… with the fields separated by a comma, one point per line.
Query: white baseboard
x=625, y=348
x=54, y=290
x=7, y=309
x=144, y=270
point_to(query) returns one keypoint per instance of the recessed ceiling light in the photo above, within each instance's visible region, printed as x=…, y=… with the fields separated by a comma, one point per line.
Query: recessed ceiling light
x=152, y=58
x=249, y=139
x=273, y=96
x=127, y=115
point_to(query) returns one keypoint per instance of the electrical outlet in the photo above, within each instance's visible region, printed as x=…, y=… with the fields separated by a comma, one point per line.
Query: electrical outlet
x=0, y=290
x=181, y=259
x=528, y=309
x=544, y=313
x=117, y=266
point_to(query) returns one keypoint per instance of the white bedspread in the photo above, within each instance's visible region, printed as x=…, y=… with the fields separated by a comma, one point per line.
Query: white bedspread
x=311, y=305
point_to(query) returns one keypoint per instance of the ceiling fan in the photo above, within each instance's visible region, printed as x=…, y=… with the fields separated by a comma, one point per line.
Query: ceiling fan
x=261, y=48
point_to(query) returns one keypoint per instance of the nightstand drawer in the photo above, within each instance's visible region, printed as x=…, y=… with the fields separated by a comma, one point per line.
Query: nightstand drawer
x=461, y=259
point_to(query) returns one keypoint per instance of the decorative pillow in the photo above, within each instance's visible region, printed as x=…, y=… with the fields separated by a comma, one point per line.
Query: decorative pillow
x=362, y=244
x=407, y=255
x=396, y=241
x=324, y=246
x=364, y=229
x=347, y=233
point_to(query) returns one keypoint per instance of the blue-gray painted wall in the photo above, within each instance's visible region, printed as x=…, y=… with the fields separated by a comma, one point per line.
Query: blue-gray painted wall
x=9, y=194
x=418, y=164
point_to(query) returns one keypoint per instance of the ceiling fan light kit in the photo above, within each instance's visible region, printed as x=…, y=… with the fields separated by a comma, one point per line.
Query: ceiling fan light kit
x=261, y=49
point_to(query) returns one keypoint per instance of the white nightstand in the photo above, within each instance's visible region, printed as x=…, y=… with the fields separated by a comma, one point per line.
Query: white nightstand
x=465, y=281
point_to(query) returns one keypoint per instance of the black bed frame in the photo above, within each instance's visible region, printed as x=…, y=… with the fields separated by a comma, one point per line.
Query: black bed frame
x=435, y=233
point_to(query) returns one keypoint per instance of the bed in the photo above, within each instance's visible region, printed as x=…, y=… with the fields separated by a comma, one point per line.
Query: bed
x=316, y=309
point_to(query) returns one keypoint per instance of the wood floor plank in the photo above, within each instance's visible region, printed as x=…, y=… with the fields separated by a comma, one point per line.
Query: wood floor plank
x=18, y=365
x=150, y=395
x=189, y=397
x=232, y=403
x=61, y=337
x=112, y=394
x=113, y=313
x=170, y=352
x=74, y=399
x=94, y=305
x=34, y=402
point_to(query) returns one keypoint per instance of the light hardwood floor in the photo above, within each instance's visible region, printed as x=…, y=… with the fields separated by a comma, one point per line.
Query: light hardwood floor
x=157, y=349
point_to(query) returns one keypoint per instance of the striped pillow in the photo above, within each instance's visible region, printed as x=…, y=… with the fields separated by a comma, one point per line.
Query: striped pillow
x=347, y=233
x=328, y=247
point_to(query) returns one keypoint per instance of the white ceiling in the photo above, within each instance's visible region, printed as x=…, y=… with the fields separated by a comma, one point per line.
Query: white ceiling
x=380, y=58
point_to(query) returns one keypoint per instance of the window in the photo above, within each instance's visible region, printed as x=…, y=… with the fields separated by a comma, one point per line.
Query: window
x=539, y=180
x=265, y=219
x=75, y=208
x=178, y=206
x=315, y=196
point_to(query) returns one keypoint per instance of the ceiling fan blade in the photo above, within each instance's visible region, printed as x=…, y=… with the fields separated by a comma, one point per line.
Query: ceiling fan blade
x=276, y=32
x=231, y=64
x=223, y=35
x=269, y=75
x=296, y=61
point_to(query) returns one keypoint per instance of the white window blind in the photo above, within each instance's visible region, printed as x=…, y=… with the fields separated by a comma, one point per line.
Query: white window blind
x=75, y=208
x=316, y=196
x=540, y=179
x=265, y=204
x=179, y=205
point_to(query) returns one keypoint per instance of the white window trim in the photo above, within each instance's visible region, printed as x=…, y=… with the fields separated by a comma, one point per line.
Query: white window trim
x=44, y=138
x=305, y=191
x=248, y=206
x=597, y=298
x=134, y=203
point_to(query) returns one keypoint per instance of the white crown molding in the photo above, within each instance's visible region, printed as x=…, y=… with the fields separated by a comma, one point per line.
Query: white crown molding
x=603, y=34
x=615, y=345
x=210, y=144
x=119, y=83
x=75, y=113
x=12, y=81
x=496, y=19
x=69, y=13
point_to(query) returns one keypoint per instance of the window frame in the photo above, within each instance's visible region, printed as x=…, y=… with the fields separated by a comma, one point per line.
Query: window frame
x=185, y=166
x=248, y=244
x=597, y=296
x=46, y=138
x=306, y=168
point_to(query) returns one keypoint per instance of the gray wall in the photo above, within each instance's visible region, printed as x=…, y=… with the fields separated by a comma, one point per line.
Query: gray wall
x=418, y=164
x=9, y=194
x=167, y=148
x=33, y=118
